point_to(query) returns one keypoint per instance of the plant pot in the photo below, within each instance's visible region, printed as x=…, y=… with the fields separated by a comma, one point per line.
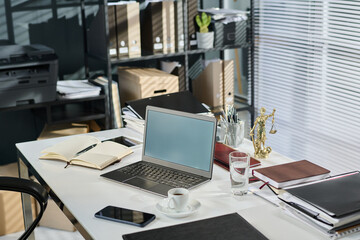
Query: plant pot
x=205, y=40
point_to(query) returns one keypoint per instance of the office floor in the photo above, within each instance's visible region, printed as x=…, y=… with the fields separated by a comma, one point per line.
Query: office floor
x=44, y=233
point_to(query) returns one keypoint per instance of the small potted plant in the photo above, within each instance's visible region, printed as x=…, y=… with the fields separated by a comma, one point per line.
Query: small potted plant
x=205, y=39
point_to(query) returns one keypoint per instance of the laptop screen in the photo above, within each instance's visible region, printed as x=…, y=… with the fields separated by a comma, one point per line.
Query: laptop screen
x=180, y=138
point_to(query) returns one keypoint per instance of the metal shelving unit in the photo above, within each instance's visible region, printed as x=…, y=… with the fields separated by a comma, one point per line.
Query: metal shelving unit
x=96, y=48
x=58, y=111
x=97, y=35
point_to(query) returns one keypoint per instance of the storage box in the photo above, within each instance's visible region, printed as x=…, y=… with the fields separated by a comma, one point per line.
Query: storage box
x=53, y=217
x=63, y=129
x=232, y=33
x=137, y=83
x=11, y=214
x=215, y=85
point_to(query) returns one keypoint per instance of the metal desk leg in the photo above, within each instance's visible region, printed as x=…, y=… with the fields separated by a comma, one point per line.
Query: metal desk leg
x=25, y=198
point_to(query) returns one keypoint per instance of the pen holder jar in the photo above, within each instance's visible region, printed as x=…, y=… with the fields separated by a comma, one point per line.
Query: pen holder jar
x=234, y=133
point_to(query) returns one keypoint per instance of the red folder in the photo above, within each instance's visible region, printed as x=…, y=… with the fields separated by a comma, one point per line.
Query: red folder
x=221, y=156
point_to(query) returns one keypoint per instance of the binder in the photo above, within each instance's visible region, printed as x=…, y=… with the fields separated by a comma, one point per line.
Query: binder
x=169, y=14
x=180, y=72
x=192, y=10
x=128, y=29
x=181, y=101
x=114, y=103
x=179, y=23
x=152, y=28
x=215, y=85
x=338, y=196
x=112, y=32
x=228, y=82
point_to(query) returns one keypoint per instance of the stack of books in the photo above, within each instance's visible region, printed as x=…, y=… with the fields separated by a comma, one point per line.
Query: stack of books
x=329, y=204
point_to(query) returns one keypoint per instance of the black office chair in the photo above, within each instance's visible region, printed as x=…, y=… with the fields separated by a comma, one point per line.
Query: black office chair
x=32, y=188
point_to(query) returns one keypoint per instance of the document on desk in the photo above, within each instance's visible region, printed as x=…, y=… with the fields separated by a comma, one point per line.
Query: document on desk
x=87, y=151
x=229, y=227
x=337, y=194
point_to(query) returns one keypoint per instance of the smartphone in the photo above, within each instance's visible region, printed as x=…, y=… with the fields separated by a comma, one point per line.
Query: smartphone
x=123, y=215
x=125, y=141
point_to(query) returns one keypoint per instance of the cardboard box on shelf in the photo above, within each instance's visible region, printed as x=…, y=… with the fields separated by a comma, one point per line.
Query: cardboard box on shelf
x=63, y=129
x=11, y=215
x=136, y=83
x=215, y=85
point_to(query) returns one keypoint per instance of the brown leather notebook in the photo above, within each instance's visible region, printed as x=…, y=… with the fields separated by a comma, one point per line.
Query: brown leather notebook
x=288, y=174
x=221, y=156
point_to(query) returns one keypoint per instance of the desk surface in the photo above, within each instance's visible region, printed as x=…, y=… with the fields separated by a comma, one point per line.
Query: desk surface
x=84, y=192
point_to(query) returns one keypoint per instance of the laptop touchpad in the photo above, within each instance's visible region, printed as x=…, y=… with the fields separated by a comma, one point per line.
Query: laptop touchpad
x=141, y=183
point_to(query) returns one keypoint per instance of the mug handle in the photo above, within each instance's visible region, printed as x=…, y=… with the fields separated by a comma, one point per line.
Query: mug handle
x=171, y=200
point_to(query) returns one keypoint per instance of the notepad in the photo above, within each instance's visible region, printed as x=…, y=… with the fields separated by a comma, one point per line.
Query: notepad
x=87, y=151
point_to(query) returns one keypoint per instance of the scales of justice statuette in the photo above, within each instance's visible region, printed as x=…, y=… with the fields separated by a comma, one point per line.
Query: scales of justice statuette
x=259, y=140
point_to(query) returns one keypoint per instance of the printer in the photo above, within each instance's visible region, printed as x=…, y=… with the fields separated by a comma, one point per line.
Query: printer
x=28, y=74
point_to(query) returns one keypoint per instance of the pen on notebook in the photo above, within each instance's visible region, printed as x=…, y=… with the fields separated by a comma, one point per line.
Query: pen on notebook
x=85, y=149
x=80, y=152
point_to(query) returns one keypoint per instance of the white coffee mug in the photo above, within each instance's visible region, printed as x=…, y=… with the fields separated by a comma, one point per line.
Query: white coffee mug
x=178, y=199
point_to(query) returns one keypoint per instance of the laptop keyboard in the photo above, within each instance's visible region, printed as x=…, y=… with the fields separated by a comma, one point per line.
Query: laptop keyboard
x=162, y=175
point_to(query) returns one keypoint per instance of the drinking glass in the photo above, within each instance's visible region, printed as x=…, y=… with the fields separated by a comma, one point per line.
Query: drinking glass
x=239, y=170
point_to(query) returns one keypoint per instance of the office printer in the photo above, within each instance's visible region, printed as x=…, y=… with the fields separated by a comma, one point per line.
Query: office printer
x=28, y=74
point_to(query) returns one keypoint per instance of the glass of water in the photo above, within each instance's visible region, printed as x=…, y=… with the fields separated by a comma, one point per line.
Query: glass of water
x=239, y=169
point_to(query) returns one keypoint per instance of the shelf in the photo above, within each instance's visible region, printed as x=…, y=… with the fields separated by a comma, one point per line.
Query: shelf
x=77, y=111
x=198, y=51
x=242, y=107
x=147, y=57
x=177, y=54
x=49, y=4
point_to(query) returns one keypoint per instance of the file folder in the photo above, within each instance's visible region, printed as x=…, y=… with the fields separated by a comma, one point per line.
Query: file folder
x=113, y=52
x=192, y=11
x=128, y=29
x=168, y=6
x=215, y=85
x=152, y=28
x=179, y=23
x=337, y=196
x=181, y=101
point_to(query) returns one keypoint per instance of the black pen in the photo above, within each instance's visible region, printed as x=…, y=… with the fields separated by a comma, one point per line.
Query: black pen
x=308, y=212
x=85, y=149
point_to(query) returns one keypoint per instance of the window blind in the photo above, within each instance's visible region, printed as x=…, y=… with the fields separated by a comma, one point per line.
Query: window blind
x=307, y=66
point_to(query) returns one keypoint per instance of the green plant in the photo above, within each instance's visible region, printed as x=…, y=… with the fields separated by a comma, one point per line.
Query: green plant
x=203, y=22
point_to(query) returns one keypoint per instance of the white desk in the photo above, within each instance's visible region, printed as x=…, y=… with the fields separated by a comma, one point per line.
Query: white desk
x=83, y=192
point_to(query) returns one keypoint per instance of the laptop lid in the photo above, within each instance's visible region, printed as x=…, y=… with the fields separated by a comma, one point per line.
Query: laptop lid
x=179, y=140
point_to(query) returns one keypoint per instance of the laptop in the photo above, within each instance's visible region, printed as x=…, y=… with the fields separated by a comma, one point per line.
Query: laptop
x=178, y=151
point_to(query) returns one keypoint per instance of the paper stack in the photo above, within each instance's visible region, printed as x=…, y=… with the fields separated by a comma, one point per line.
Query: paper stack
x=70, y=89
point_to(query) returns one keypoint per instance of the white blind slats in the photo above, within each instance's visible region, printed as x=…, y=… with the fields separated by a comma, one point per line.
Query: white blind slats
x=307, y=65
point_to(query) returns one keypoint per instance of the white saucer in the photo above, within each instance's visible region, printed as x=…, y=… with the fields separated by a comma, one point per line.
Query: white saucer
x=191, y=208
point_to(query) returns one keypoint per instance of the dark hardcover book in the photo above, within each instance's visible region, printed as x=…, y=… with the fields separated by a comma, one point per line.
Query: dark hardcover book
x=181, y=101
x=221, y=156
x=337, y=196
x=229, y=227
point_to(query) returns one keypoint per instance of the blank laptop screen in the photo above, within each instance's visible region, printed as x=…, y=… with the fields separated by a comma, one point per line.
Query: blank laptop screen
x=178, y=139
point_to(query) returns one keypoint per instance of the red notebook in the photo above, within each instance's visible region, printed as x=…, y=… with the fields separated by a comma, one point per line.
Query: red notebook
x=221, y=156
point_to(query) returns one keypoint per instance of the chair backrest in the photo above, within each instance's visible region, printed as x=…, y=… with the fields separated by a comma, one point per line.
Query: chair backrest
x=32, y=188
